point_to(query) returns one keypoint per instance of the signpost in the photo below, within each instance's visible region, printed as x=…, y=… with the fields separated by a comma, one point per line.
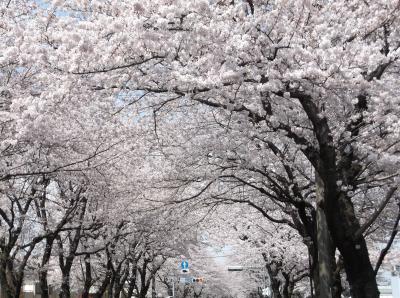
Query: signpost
x=186, y=279
x=185, y=266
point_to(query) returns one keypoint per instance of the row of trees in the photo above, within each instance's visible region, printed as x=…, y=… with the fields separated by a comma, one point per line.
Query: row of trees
x=74, y=213
x=288, y=107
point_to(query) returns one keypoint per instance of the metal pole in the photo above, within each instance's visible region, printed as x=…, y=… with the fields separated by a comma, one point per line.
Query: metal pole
x=173, y=288
x=265, y=279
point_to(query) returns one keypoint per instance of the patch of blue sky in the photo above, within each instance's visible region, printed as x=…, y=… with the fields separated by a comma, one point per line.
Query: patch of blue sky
x=124, y=102
x=126, y=97
x=58, y=11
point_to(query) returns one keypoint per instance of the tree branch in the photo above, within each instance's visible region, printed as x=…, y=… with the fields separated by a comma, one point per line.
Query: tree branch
x=377, y=213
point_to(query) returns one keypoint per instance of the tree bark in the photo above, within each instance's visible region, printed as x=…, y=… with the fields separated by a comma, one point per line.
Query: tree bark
x=153, y=287
x=65, y=288
x=288, y=286
x=44, y=287
x=337, y=289
x=7, y=290
x=342, y=221
x=132, y=280
x=88, y=277
x=323, y=243
x=273, y=272
x=119, y=281
x=107, y=279
x=359, y=271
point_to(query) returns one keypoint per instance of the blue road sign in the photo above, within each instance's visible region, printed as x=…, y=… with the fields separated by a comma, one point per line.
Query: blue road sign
x=184, y=265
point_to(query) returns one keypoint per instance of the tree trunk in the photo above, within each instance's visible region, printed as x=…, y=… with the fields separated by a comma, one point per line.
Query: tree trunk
x=288, y=287
x=118, y=285
x=88, y=277
x=315, y=280
x=18, y=285
x=103, y=287
x=132, y=280
x=44, y=287
x=144, y=282
x=65, y=288
x=337, y=281
x=354, y=251
x=153, y=287
x=275, y=283
x=338, y=209
x=110, y=290
x=343, y=225
x=66, y=275
x=323, y=244
x=6, y=288
x=285, y=288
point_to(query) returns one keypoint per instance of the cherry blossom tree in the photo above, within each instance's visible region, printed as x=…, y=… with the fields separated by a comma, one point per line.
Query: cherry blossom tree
x=300, y=94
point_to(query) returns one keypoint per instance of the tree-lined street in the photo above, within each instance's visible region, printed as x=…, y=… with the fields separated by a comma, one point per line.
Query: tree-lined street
x=136, y=136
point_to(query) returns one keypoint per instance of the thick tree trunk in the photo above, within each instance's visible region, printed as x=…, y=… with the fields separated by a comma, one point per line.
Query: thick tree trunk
x=324, y=245
x=6, y=289
x=338, y=209
x=343, y=226
x=359, y=271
